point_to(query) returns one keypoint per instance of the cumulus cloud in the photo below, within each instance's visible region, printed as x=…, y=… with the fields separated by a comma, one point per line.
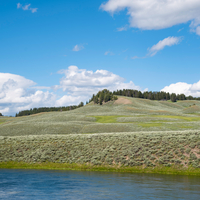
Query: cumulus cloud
x=78, y=82
x=69, y=100
x=27, y=7
x=16, y=93
x=184, y=88
x=198, y=30
x=170, y=41
x=78, y=47
x=157, y=14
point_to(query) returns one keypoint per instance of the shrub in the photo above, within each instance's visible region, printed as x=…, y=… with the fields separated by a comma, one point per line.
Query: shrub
x=193, y=156
x=192, y=145
x=188, y=150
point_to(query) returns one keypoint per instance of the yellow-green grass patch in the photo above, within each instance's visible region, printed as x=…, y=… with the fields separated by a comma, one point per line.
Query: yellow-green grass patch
x=186, y=118
x=178, y=126
x=108, y=119
x=174, y=169
x=150, y=124
x=2, y=121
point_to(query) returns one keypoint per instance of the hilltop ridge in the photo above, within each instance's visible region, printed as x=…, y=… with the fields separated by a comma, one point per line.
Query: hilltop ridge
x=123, y=115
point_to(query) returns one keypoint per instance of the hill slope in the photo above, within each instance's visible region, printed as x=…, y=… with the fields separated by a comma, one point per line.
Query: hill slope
x=128, y=134
x=123, y=115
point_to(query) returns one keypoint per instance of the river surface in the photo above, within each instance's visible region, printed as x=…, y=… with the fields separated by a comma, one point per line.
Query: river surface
x=50, y=184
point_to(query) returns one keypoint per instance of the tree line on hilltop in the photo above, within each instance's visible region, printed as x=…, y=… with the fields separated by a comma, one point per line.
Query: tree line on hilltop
x=47, y=109
x=103, y=96
x=106, y=95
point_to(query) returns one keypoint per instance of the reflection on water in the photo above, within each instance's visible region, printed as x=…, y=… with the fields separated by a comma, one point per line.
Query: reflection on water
x=41, y=184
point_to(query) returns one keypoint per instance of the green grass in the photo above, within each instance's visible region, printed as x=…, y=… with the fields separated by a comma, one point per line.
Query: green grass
x=3, y=120
x=150, y=124
x=178, y=170
x=107, y=119
x=185, y=118
x=145, y=136
x=124, y=149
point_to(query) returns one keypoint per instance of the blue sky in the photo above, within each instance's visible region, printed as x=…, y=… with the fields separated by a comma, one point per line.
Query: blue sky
x=57, y=53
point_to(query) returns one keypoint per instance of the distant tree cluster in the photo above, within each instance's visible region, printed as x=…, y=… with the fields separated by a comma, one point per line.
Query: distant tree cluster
x=1, y=114
x=154, y=95
x=47, y=109
x=103, y=96
x=106, y=95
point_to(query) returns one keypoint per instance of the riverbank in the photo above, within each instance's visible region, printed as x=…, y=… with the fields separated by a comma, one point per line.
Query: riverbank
x=176, y=169
x=142, y=152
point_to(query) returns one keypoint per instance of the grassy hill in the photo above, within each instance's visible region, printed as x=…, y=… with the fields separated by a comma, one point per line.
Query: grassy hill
x=124, y=115
x=128, y=132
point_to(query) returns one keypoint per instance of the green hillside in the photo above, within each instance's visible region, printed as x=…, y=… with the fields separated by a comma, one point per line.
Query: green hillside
x=128, y=133
x=123, y=115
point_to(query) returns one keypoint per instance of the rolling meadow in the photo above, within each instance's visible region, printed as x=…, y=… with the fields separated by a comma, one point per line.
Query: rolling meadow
x=129, y=134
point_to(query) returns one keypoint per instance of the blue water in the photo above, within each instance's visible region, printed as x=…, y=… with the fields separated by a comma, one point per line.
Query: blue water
x=44, y=184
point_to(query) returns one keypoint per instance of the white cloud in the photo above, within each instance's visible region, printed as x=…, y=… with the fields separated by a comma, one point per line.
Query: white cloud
x=17, y=93
x=78, y=47
x=198, y=30
x=157, y=14
x=134, y=57
x=180, y=30
x=78, y=82
x=69, y=100
x=19, y=5
x=33, y=10
x=184, y=88
x=109, y=53
x=170, y=41
x=124, y=28
x=27, y=7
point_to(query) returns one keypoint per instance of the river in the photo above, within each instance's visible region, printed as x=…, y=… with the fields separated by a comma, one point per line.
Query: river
x=53, y=184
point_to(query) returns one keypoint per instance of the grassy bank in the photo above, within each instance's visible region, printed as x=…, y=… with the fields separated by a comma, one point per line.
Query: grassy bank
x=177, y=170
x=143, y=150
x=127, y=135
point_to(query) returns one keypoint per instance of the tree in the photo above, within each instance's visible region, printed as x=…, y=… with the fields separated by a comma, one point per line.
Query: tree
x=101, y=98
x=139, y=94
x=107, y=97
x=1, y=114
x=115, y=97
x=190, y=98
x=173, y=97
x=96, y=100
x=81, y=104
x=168, y=96
x=100, y=101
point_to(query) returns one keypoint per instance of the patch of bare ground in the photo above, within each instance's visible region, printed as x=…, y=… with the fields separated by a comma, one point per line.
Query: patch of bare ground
x=194, y=150
x=160, y=111
x=134, y=109
x=123, y=101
